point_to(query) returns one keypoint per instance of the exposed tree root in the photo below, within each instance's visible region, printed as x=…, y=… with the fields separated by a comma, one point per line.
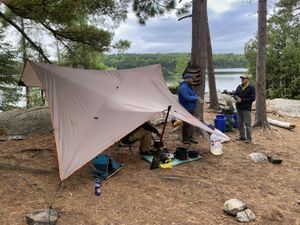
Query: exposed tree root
x=264, y=125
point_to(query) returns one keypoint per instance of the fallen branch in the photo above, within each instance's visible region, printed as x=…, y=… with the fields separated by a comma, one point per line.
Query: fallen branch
x=281, y=124
x=35, y=151
x=13, y=166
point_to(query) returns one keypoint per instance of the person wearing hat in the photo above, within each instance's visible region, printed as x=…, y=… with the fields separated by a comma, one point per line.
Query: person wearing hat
x=244, y=96
x=188, y=99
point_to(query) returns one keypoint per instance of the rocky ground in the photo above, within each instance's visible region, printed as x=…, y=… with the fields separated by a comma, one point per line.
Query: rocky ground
x=191, y=193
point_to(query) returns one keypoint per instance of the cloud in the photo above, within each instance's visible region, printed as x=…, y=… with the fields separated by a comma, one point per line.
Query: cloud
x=221, y=6
x=231, y=26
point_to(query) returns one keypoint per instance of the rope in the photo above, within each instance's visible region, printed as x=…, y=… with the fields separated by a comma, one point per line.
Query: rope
x=52, y=202
x=215, y=186
x=219, y=192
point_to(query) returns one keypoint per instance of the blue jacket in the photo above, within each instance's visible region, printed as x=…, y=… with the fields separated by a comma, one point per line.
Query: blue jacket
x=186, y=96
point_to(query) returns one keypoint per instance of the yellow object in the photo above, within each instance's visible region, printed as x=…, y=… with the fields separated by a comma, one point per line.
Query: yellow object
x=176, y=123
x=166, y=165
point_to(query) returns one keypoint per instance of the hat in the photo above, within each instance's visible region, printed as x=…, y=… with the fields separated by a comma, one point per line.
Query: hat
x=187, y=76
x=245, y=76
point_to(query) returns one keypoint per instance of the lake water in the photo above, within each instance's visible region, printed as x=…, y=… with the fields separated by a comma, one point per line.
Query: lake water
x=226, y=79
x=227, y=82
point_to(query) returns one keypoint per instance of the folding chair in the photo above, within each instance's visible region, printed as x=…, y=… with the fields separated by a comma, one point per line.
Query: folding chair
x=105, y=166
x=124, y=143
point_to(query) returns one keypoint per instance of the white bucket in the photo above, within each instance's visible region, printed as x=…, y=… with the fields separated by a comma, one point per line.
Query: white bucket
x=216, y=148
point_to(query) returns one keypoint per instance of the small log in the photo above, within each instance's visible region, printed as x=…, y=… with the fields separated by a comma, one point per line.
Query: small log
x=281, y=124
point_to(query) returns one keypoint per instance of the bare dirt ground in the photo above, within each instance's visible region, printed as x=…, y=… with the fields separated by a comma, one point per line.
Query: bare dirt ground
x=191, y=193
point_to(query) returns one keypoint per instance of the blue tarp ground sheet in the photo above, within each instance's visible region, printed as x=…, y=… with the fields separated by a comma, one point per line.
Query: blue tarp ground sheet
x=175, y=161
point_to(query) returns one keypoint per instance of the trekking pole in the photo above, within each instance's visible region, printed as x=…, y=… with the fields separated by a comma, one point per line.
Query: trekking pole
x=156, y=157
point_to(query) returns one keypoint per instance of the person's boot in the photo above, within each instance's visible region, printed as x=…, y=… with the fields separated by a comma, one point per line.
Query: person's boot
x=248, y=141
x=240, y=139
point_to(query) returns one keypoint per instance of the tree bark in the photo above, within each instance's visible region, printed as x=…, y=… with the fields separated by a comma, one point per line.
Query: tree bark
x=24, y=58
x=213, y=96
x=199, y=48
x=261, y=61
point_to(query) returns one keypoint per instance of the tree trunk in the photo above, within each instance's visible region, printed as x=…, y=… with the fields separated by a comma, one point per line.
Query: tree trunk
x=261, y=112
x=24, y=58
x=213, y=96
x=199, y=48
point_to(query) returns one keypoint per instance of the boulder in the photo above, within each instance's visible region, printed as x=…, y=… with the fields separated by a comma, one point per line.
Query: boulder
x=24, y=122
x=233, y=206
x=245, y=216
x=42, y=217
x=258, y=157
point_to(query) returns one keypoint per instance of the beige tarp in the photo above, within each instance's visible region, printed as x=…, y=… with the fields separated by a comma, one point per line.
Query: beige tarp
x=93, y=109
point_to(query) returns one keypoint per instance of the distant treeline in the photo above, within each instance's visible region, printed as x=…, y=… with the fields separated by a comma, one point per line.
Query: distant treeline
x=173, y=63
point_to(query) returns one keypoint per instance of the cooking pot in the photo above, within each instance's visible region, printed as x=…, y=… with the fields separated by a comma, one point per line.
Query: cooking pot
x=181, y=153
x=193, y=153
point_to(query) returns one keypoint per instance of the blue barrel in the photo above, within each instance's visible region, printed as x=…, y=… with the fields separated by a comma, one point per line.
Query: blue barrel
x=229, y=117
x=220, y=122
x=235, y=125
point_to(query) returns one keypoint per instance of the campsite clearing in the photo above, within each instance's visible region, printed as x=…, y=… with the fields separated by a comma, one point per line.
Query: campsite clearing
x=191, y=193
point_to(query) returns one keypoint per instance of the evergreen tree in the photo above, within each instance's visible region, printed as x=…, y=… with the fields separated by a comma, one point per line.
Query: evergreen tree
x=9, y=70
x=66, y=21
x=283, y=51
x=261, y=63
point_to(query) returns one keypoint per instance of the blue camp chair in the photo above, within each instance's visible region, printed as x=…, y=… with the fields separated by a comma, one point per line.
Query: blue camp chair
x=105, y=166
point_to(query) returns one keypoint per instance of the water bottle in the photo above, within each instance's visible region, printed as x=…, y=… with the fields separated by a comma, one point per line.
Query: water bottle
x=98, y=187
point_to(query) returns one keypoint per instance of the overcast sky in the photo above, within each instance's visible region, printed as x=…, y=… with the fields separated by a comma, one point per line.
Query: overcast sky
x=232, y=24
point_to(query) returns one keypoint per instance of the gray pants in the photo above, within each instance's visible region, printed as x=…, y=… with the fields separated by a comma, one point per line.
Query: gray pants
x=145, y=137
x=244, y=120
x=187, y=130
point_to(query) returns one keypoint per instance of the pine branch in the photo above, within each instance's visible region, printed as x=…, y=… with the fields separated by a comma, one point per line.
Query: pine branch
x=184, y=17
x=37, y=48
x=60, y=35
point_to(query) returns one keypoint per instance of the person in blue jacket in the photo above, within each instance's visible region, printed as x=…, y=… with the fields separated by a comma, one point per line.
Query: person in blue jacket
x=188, y=99
x=244, y=96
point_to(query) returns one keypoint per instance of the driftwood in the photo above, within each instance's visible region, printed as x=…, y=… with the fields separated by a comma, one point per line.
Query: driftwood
x=24, y=168
x=281, y=124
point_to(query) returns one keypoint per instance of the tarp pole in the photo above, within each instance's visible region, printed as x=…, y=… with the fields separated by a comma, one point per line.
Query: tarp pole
x=156, y=157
